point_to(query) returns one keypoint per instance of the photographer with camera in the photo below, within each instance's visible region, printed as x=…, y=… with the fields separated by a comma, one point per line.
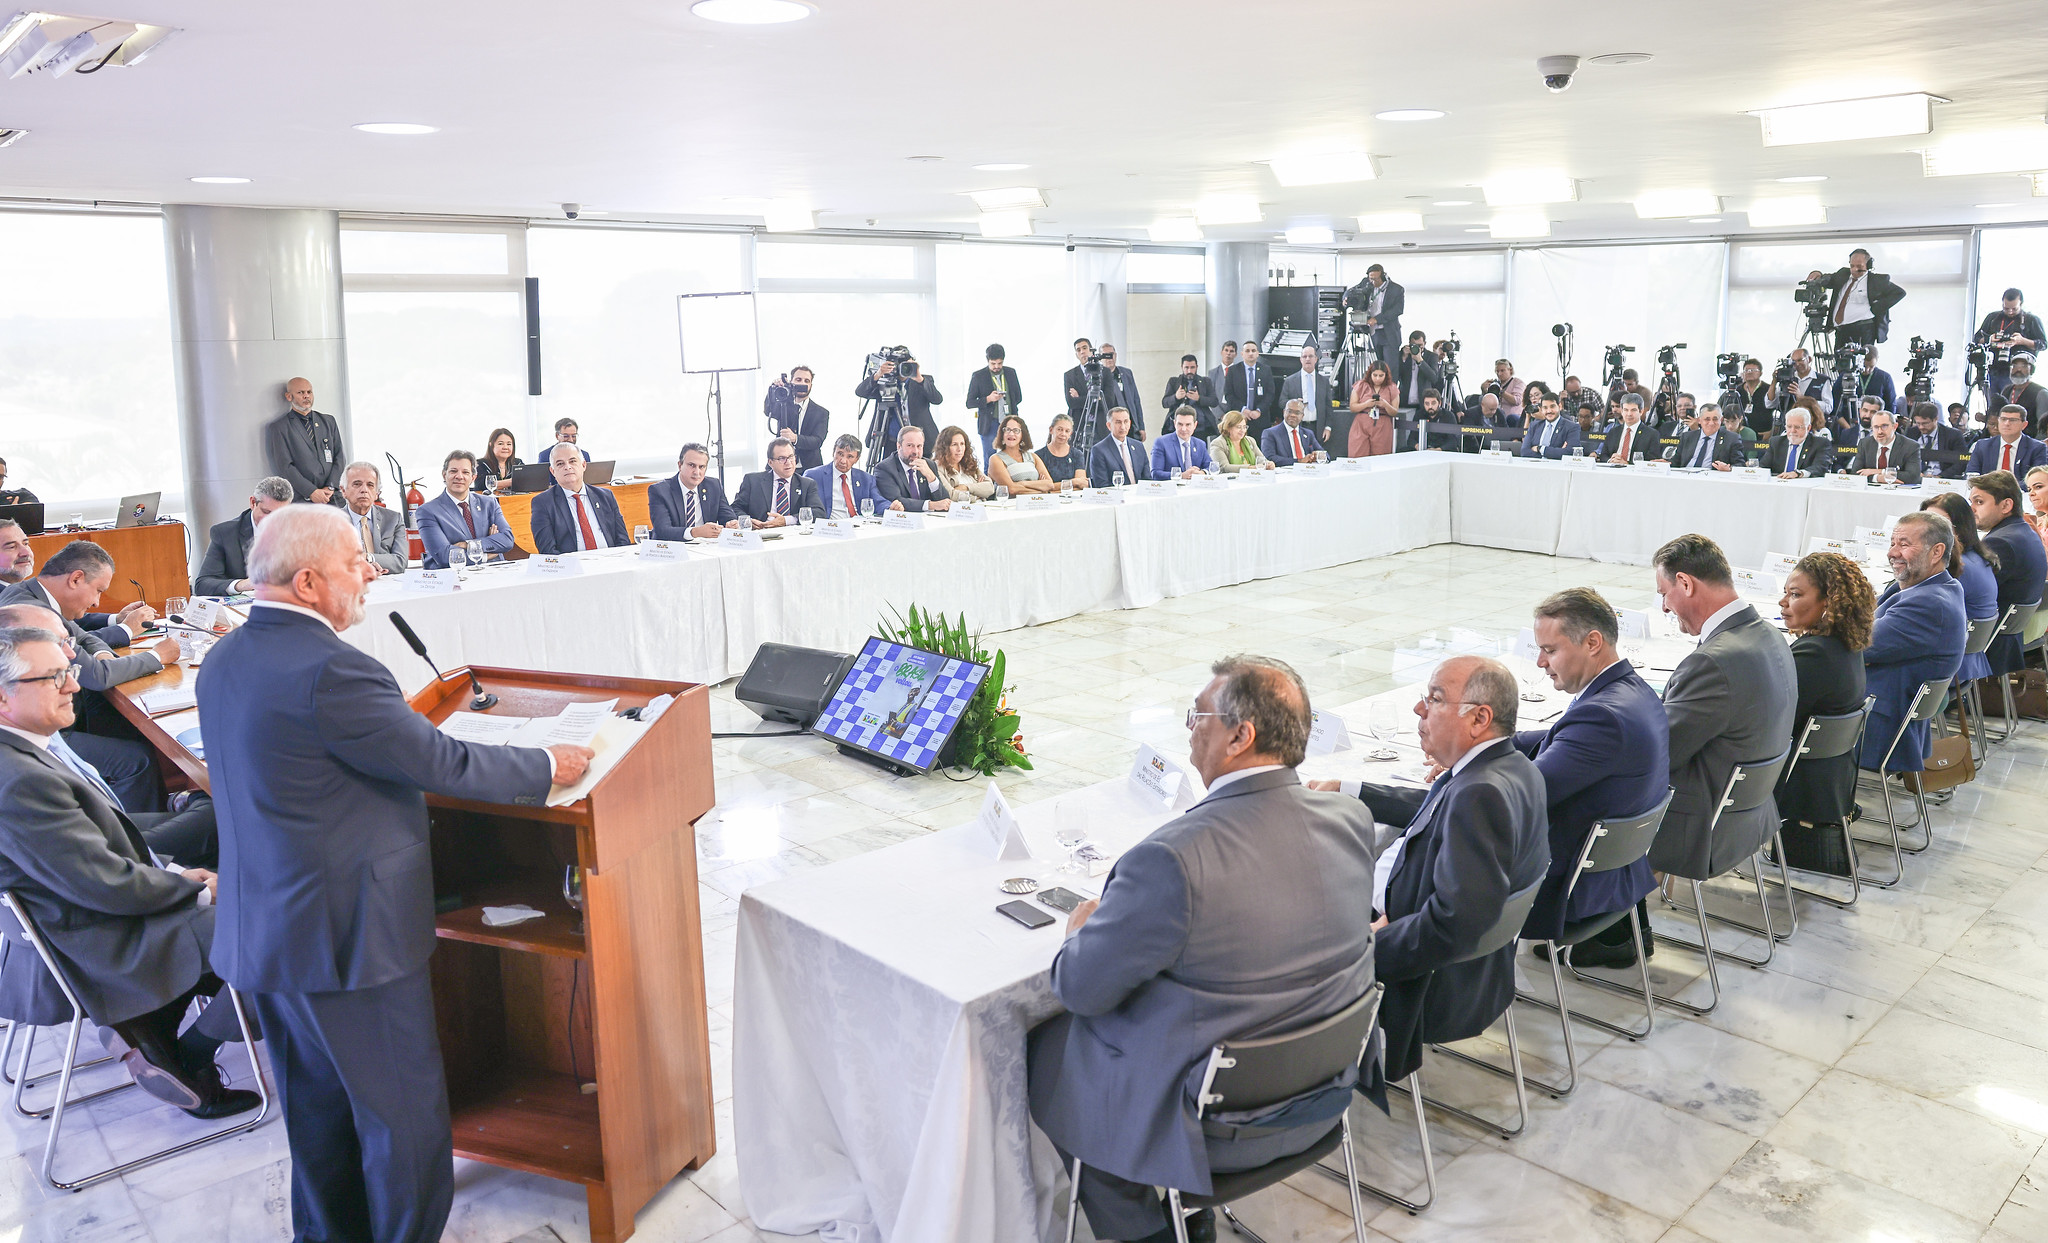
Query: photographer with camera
x=2009, y=331
x=1797, y=377
x=895, y=380
x=1415, y=373
x=1119, y=388
x=1382, y=301
x=1507, y=386
x=1750, y=400
x=794, y=417
x=1191, y=388
x=1859, y=301
x=2026, y=394
x=1576, y=397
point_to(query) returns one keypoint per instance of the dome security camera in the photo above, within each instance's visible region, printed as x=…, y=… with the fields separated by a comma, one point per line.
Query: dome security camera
x=1557, y=72
x=572, y=210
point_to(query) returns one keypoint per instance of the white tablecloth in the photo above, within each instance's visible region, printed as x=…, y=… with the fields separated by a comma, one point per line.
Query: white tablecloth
x=1625, y=515
x=1506, y=503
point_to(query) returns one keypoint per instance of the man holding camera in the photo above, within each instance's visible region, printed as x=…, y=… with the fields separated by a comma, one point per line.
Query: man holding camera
x=2009, y=330
x=1800, y=378
x=1860, y=301
x=2025, y=393
x=1191, y=388
x=1750, y=400
x=896, y=376
x=794, y=417
x=1382, y=301
x=1415, y=373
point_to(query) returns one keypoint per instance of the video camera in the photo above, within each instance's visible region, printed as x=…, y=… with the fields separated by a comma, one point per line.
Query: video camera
x=1447, y=366
x=889, y=388
x=1667, y=356
x=1784, y=372
x=1847, y=353
x=1729, y=368
x=1921, y=364
x=1813, y=296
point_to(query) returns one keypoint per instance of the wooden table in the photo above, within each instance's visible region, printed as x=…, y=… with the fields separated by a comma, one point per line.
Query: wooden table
x=127, y=700
x=518, y=507
x=155, y=556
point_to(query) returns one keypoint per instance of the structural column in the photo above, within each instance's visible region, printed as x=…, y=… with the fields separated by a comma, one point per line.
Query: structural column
x=1236, y=282
x=255, y=301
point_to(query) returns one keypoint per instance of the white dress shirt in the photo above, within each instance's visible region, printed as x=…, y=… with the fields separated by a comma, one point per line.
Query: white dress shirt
x=582, y=498
x=1239, y=774
x=1855, y=301
x=1721, y=617
x=1390, y=858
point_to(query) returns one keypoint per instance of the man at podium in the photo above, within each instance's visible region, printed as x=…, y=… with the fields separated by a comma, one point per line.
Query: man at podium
x=326, y=882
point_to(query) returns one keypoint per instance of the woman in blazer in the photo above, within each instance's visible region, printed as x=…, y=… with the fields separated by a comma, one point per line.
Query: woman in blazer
x=1829, y=605
x=1375, y=400
x=1233, y=449
x=954, y=460
x=501, y=457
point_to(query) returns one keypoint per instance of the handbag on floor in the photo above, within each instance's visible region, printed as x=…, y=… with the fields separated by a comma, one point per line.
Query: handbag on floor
x=1822, y=848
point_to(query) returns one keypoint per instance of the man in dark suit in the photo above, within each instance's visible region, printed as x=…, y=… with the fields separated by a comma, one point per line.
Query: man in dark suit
x=842, y=486
x=2011, y=450
x=1219, y=380
x=1250, y=386
x=13, y=496
x=574, y=516
x=1627, y=435
x=381, y=530
x=1607, y=757
x=689, y=505
x=1415, y=372
x=920, y=393
x=993, y=395
x=1708, y=445
x=1118, y=453
x=567, y=432
x=1292, y=440
x=794, y=417
x=1114, y=390
x=1548, y=435
x=2022, y=563
x=326, y=889
x=1312, y=388
x=1934, y=436
x=1860, y=300
x=907, y=479
x=1243, y=917
x=224, y=570
x=1918, y=636
x=1797, y=453
x=304, y=446
x=1729, y=702
x=17, y=554
x=1884, y=449
x=133, y=935
x=774, y=497
x=1479, y=836
x=1189, y=388
x=1382, y=301
x=461, y=515
x=2009, y=328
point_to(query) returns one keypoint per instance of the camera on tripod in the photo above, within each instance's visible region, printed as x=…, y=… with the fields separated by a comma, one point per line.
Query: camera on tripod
x=1813, y=296
x=1616, y=356
x=1784, y=372
x=1847, y=353
x=1447, y=364
x=1667, y=357
x=889, y=388
x=1729, y=368
x=1921, y=356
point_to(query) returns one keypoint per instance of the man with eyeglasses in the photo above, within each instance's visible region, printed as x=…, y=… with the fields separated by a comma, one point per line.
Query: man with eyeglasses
x=1454, y=856
x=1243, y=916
x=776, y=496
x=134, y=933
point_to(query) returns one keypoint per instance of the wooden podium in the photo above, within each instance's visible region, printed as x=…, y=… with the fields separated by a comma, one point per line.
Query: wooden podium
x=532, y=1015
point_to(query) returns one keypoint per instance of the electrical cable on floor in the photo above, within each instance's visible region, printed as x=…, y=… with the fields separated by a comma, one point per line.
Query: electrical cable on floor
x=787, y=733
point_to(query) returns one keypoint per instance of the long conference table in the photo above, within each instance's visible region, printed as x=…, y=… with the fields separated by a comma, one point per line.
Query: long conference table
x=701, y=619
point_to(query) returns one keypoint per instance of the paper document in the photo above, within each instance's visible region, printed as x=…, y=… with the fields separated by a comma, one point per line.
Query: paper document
x=615, y=736
x=476, y=727
x=171, y=699
x=578, y=722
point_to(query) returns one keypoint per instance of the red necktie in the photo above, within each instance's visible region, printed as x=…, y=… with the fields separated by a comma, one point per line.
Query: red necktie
x=1627, y=434
x=469, y=519
x=2005, y=459
x=846, y=490
x=583, y=521
x=1884, y=456
x=1295, y=432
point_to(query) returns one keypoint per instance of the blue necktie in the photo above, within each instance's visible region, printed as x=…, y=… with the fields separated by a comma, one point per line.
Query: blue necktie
x=1699, y=455
x=86, y=772
x=1791, y=458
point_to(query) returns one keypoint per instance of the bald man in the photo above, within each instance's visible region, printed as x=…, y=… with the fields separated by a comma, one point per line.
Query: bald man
x=304, y=446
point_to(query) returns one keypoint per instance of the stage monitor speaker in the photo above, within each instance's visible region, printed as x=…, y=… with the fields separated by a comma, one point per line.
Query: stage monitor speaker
x=791, y=684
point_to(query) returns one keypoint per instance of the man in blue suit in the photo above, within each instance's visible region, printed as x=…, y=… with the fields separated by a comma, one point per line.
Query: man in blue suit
x=2011, y=450
x=1181, y=455
x=842, y=486
x=689, y=505
x=1118, y=454
x=574, y=516
x=1547, y=435
x=778, y=496
x=326, y=888
x=1919, y=635
x=1287, y=441
x=2022, y=563
x=460, y=515
x=1608, y=756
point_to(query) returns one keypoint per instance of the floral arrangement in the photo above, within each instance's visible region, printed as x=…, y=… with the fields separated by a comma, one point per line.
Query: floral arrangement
x=988, y=737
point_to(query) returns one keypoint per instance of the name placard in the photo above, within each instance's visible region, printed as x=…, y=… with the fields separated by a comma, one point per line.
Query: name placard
x=203, y=613
x=1156, y=487
x=1849, y=481
x=431, y=580
x=1158, y=779
x=1036, y=501
x=969, y=511
x=830, y=528
x=1351, y=463
x=1004, y=836
x=663, y=550
x=1211, y=483
x=1653, y=464
x=1848, y=548
x=1758, y=583
x=1327, y=732
x=902, y=520
x=1749, y=472
x=553, y=565
x=1501, y=453
x=1103, y=496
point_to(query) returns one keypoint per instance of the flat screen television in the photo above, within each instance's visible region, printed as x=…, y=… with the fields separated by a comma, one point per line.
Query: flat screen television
x=899, y=705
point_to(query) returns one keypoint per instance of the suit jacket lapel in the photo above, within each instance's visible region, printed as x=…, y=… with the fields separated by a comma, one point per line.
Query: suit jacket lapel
x=89, y=799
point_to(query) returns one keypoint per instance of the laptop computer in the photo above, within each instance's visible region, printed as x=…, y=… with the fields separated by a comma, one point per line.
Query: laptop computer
x=28, y=513
x=138, y=510
x=599, y=472
x=533, y=478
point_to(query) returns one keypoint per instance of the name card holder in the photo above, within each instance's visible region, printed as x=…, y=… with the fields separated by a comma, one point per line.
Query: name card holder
x=1495, y=453
x=432, y=581
x=970, y=511
x=1156, y=487
x=1848, y=548
x=1211, y=483
x=902, y=520
x=830, y=528
x=1758, y=583
x=1327, y=733
x=1003, y=835
x=554, y=565
x=1103, y=496
x=663, y=550
x=1161, y=781
x=1749, y=472
x=1036, y=501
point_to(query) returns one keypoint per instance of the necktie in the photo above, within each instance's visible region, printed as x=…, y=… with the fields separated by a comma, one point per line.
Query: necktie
x=369, y=544
x=583, y=521
x=468, y=519
x=1627, y=435
x=690, y=519
x=1699, y=455
x=846, y=491
x=782, y=496
x=1791, y=457
x=1549, y=426
x=1842, y=307
x=1884, y=453
x=86, y=772
x=2005, y=459
x=1183, y=453
x=1295, y=433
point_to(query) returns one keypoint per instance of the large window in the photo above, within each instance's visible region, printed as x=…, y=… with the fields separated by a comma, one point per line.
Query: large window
x=1463, y=292
x=88, y=410
x=2008, y=259
x=1644, y=296
x=1015, y=296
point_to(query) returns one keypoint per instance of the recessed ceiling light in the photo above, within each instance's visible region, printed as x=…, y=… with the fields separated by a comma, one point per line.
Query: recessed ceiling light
x=751, y=12
x=1182, y=230
x=1523, y=222
x=1229, y=209
x=1452, y=203
x=1311, y=235
x=1671, y=204
x=1409, y=114
x=924, y=159
x=397, y=127
x=1704, y=220
x=1389, y=221
x=2012, y=151
x=1619, y=58
x=1011, y=197
x=1529, y=189
x=1011, y=222
x=1795, y=181
x=1480, y=229
x=1993, y=206
x=1323, y=169
x=1776, y=213
x=219, y=181
x=1842, y=120
x=1000, y=168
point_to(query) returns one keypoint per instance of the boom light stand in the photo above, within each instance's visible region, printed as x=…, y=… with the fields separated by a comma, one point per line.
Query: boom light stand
x=720, y=332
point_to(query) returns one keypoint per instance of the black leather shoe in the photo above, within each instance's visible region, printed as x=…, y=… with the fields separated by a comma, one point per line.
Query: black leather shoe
x=1201, y=1229
x=160, y=1083
x=216, y=1098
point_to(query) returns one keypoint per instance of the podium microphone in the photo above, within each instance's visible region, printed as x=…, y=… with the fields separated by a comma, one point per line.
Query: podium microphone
x=481, y=703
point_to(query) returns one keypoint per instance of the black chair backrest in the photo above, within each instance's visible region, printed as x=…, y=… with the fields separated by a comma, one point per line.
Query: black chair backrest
x=1253, y=1074
x=1981, y=634
x=1928, y=699
x=2017, y=617
x=1750, y=784
x=1828, y=737
x=1513, y=915
x=1617, y=841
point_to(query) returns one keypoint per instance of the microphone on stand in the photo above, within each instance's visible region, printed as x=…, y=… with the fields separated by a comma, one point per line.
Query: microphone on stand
x=481, y=703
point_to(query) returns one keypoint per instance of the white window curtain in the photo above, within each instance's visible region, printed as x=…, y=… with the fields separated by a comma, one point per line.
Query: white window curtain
x=1645, y=296
x=1463, y=292
x=1010, y=295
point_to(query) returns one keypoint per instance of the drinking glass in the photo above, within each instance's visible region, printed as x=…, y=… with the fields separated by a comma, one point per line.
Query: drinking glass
x=77, y=522
x=1002, y=494
x=804, y=518
x=1637, y=458
x=746, y=522
x=174, y=608
x=867, y=509
x=642, y=534
x=476, y=552
x=1072, y=831
x=1578, y=454
x=1116, y=479
x=572, y=892
x=1066, y=488
x=458, y=558
x=1322, y=456
x=1383, y=718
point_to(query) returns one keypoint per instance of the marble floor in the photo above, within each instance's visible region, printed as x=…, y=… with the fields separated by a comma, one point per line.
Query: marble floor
x=1884, y=1080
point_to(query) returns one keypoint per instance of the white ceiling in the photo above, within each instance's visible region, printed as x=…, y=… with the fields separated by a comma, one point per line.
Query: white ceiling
x=1126, y=112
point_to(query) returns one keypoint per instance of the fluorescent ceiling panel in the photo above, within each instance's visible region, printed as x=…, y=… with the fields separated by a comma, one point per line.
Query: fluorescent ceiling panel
x=1011, y=222
x=1843, y=120
x=1007, y=199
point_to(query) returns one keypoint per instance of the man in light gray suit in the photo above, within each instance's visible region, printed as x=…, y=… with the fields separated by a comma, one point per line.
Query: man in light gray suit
x=1247, y=916
x=381, y=531
x=1730, y=702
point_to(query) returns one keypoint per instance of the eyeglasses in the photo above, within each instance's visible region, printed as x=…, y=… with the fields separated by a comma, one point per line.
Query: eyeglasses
x=1192, y=714
x=66, y=674
x=1437, y=699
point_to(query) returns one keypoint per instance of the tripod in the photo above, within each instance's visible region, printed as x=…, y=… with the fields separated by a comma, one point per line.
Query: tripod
x=1093, y=407
x=877, y=415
